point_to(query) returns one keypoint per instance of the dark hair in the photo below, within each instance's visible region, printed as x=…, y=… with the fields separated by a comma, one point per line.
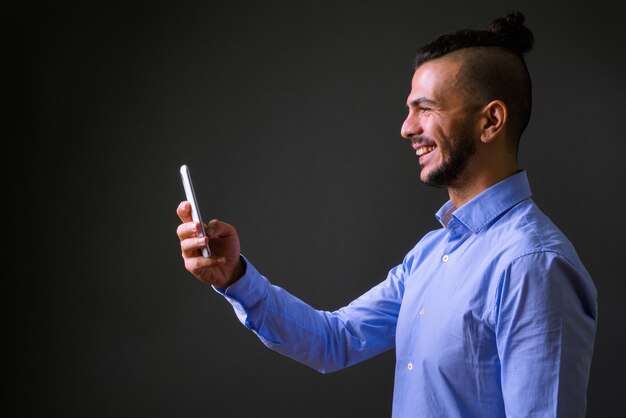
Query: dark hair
x=493, y=64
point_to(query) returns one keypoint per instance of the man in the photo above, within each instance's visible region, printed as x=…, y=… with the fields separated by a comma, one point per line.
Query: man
x=492, y=315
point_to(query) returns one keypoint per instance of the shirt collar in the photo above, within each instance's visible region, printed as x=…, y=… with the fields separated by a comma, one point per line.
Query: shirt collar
x=487, y=205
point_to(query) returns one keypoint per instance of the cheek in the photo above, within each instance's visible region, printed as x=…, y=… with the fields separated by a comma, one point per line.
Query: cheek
x=433, y=129
x=442, y=140
x=444, y=145
x=445, y=136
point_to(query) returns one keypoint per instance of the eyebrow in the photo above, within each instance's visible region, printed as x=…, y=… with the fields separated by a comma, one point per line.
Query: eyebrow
x=421, y=101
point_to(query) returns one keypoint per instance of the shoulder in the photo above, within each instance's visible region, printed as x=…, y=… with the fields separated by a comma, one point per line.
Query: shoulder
x=530, y=250
x=524, y=231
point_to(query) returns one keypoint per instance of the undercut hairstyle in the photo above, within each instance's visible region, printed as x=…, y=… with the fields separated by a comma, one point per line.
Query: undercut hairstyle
x=493, y=65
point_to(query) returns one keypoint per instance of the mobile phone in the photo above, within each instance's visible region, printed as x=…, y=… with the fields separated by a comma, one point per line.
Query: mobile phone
x=195, y=209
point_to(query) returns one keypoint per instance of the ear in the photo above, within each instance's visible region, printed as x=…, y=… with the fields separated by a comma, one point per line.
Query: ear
x=493, y=118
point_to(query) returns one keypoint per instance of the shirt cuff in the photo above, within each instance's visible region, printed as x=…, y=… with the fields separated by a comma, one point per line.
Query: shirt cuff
x=248, y=291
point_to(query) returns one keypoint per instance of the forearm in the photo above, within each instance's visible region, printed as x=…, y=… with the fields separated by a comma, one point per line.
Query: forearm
x=325, y=341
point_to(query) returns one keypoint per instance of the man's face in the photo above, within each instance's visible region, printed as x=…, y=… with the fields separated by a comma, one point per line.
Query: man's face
x=440, y=123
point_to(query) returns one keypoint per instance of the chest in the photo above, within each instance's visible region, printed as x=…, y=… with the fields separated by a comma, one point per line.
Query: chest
x=447, y=310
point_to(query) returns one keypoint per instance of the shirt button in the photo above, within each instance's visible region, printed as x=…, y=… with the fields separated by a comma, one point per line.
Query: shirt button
x=422, y=311
x=410, y=366
x=445, y=258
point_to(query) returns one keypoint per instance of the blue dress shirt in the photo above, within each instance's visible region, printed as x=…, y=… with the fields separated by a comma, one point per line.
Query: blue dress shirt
x=492, y=315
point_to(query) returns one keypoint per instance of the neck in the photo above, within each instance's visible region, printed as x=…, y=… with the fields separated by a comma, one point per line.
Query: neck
x=471, y=185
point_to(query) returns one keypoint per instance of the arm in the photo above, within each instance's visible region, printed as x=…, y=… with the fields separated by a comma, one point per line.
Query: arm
x=545, y=328
x=325, y=341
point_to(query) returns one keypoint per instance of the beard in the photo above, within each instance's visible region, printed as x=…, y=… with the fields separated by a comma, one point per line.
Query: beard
x=451, y=171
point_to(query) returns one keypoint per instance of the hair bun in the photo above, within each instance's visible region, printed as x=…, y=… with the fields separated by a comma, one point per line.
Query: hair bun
x=512, y=31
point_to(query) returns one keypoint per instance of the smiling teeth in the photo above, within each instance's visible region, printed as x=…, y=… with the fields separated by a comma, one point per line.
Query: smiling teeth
x=423, y=150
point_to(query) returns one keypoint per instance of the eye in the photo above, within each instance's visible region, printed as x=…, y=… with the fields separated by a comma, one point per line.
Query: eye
x=423, y=109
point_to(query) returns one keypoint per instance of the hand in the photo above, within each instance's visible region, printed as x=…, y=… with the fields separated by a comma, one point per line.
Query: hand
x=224, y=266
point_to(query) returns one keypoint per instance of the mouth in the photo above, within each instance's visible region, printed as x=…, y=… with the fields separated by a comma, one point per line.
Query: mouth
x=424, y=149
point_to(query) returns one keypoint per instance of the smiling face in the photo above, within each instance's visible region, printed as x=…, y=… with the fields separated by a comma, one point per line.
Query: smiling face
x=441, y=123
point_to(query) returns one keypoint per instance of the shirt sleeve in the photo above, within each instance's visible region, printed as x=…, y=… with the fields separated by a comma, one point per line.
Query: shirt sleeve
x=545, y=329
x=325, y=341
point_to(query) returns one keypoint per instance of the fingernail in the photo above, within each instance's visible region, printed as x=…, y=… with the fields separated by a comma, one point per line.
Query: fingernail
x=201, y=241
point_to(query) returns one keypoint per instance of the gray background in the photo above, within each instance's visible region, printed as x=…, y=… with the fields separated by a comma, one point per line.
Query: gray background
x=288, y=114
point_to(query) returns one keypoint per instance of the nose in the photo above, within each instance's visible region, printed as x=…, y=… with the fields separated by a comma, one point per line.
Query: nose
x=411, y=126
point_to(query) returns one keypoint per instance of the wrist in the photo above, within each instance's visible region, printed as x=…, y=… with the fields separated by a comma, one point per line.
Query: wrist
x=238, y=271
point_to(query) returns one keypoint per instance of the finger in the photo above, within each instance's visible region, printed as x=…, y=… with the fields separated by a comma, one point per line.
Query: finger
x=196, y=265
x=192, y=246
x=184, y=211
x=188, y=230
x=218, y=229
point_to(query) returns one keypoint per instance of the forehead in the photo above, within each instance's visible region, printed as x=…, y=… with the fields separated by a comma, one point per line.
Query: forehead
x=437, y=80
